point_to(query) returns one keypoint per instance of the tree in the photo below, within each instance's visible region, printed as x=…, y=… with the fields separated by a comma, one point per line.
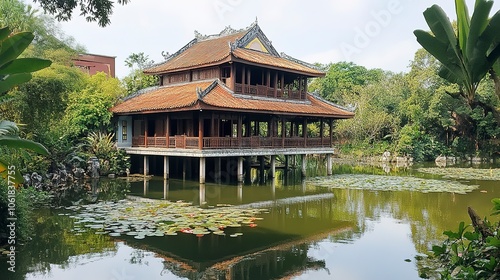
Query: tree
x=470, y=53
x=88, y=109
x=93, y=10
x=137, y=80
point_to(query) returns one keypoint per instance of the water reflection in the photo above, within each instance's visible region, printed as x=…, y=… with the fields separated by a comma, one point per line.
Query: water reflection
x=308, y=233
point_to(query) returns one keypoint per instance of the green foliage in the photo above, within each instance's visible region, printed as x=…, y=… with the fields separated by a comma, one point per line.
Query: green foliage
x=88, y=109
x=466, y=254
x=137, y=80
x=111, y=159
x=92, y=10
x=23, y=208
x=421, y=146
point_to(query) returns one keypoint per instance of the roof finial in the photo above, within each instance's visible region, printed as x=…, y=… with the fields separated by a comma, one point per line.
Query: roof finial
x=256, y=21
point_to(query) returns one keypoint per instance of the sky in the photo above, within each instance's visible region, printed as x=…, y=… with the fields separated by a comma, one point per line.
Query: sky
x=370, y=33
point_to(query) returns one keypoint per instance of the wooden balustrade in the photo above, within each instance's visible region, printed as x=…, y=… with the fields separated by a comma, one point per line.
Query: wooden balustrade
x=265, y=91
x=255, y=142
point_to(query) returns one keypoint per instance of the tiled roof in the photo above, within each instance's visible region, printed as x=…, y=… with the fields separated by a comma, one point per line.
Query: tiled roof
x=201, y=53
x=225, y=47
x=269, y=60
x=221, y=97
x=215, y=95
x=163, y=98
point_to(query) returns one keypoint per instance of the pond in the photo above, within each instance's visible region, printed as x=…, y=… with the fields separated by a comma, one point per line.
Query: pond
x=347, y=226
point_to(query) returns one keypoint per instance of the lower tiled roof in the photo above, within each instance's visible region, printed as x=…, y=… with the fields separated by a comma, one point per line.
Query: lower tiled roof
x=215, y=95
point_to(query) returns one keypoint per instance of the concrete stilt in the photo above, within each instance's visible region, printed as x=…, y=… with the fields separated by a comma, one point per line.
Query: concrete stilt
x=165, y=189
x=202, y=194
x=273, y=167
x=184, y=163
x=261, y=170
x=146, y=165
x=304, y=166
x=202, y=170
x=166, y=168
x=240, y=170
x=329, y=166
x=240, y=192
x=146, y=187
x=218, y=170
x=248, y=169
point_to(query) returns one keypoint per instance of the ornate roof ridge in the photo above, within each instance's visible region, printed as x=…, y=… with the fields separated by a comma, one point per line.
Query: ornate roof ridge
x=318, y=97
x=298, y=61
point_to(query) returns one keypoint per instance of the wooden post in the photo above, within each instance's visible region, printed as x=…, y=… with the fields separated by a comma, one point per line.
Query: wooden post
x=145, y=132
x=321, y=131
x=167, y=131
x=276, y=84
x=202, y=170
x=304, y=132
x=283, y=132
x=200, y=132
x=166, y=167
x=233, y=76
x=240, y=129
x=330, y=123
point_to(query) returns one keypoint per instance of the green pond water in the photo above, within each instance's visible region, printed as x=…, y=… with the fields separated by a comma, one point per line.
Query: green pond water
x=347, y=226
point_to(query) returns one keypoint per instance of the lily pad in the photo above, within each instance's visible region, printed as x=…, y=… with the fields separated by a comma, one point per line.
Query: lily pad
x=464, y=173
x=391, y=183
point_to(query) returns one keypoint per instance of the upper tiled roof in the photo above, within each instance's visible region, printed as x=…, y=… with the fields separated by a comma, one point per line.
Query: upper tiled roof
x=227, y=46
x=198, y=53
x=163, y=98
x=214, y=95
x=269, y=60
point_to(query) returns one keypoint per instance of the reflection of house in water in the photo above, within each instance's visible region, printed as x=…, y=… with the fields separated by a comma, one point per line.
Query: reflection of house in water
x=263, y=252
x=223, y=99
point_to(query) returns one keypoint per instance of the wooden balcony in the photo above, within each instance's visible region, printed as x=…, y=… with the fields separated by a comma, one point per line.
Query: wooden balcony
x=265, y=91
x=255, y=142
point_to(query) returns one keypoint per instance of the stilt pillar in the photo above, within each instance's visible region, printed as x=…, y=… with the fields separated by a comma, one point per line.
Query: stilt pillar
x=202, y=170
x=329, y=166
x=261, y=169
x=146, y=165
x=241, y=178
x=273, y=167
x=218, y=174
x=304, y=165
x=184, y=163
x=166, y=168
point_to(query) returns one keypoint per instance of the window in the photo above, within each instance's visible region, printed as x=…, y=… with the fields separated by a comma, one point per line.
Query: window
x=124, y=130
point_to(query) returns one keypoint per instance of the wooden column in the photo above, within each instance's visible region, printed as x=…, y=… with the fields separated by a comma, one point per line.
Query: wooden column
x=233, y=77
x=145, y=132
x=304, y=131
x=276, y=84
x=200, y=132
x=283, y=132
x=202, y=170
x=321, y=131
x=268, y=79
x=243, y=79
x=167, y=130
x=330, y=123
x=166, y=167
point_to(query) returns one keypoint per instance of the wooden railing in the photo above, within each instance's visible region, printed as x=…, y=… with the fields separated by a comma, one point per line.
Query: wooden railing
x=184, y=142
x=265, y=91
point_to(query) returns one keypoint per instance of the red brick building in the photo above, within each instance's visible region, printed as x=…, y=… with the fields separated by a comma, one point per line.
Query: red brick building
x=93, y=63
